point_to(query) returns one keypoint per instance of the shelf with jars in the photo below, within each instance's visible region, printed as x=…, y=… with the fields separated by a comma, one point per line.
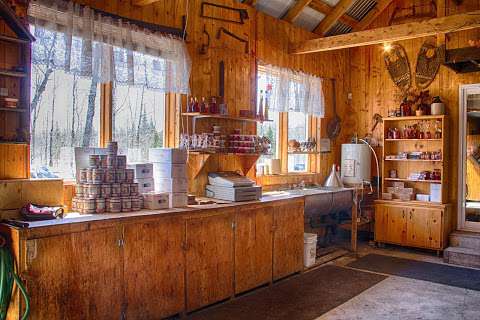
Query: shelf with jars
x=414, y=159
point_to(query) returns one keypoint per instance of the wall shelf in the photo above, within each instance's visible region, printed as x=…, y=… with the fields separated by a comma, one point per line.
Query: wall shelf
x=11, y=73
x=198, y=115
x=410, y=180
x=12, y=39
x=413, y=160
x=20, y=110
x=400, y=140
x=414, y=118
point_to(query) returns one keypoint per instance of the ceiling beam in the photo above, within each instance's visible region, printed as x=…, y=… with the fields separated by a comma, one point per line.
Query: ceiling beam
x=372, y=15
x=142, y=3
x=338, y=11
x=430, y=27
x=326, y=9
x=295, y=10
x=252, y=3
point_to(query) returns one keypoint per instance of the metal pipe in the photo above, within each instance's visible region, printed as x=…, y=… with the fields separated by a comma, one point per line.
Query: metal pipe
x=377, y=164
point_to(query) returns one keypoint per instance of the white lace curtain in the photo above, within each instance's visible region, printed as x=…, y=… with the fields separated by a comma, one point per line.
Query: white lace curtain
x=84, y=42
x=294, y=91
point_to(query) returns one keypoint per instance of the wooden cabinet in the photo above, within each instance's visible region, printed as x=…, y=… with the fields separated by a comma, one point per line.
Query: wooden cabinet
x=209, y=258
x=253, y=247
x=288, y=226
x=412, y=225
x=154, y=268
x=75, y=276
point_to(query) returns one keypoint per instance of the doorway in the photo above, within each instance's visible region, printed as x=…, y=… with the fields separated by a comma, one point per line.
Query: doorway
x=469, y=158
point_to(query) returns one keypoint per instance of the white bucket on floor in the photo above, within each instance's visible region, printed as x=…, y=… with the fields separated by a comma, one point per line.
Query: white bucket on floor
x=309, y=249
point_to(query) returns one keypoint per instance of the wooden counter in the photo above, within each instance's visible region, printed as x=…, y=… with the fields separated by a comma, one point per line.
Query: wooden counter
x=154, y=264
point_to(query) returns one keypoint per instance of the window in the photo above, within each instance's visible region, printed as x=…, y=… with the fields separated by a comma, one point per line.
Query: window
x=297, y=130
x=65, y=113
x=138, y=117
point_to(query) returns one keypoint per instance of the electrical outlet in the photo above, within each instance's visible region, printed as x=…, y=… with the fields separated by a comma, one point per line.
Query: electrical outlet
x=349, y=96
x=4, y=92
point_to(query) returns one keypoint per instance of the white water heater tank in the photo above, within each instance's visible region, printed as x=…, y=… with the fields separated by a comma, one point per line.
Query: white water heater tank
x=356, y=163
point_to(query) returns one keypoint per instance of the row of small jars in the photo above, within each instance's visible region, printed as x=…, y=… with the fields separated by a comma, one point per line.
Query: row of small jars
x=112, y=205
x=99, y=176
x=107, y=161
x=96, y=191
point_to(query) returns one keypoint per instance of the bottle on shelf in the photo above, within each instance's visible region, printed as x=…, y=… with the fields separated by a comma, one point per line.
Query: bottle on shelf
x=265, y=114
x=203, y=105
x=196, y=107
x=260, y=107
x=190, y=104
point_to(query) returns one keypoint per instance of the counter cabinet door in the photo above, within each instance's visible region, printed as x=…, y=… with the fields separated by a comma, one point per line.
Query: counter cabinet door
x=424, y=228
x=396, y=224
x=288, y=226
x=381, y=222
x=253, y=247
x=75, y=276
x=154, y=268
x=209, y=259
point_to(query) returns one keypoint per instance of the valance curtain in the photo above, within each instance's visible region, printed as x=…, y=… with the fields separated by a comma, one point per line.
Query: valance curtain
x=294, y=91
x=84, y=42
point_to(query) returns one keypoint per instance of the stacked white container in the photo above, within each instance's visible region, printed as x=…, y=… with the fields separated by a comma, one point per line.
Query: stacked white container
x=143, y=176
x=170, y=174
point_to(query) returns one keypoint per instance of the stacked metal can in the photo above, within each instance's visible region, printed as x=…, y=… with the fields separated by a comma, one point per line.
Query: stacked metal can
x=106, y=185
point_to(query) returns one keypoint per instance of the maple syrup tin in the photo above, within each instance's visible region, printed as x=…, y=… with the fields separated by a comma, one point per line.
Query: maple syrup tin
x=89, y=206
x=109, y=176
x=125, y=189
x=121, y=162
x=116, y=190
x=89, y=176
x=114, y=205
x=100, y=205
x=111, y=161
x=106, y=191
x=80, y=190
x=94, y=161
x=103, y=161
x=74, y=204
x=120, y=175
x=93, y=191
x=83, y=176
x=134, y=189
x=126, y=204
x=97, y=176
x=136, y=203
x=112, y=148
x=129, y=175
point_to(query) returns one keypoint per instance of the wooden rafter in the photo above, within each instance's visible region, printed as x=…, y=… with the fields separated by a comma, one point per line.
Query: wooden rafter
x=338, y=11
x=295, y=10
x=250, y=2
x=326, y=9
x=142, y=3
x=372, y=15
x=430, y=27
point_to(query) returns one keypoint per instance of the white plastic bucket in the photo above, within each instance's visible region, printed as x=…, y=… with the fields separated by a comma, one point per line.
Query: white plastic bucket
x=309, y=249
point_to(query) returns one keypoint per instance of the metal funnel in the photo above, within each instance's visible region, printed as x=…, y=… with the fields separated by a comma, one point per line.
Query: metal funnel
x=333, y=180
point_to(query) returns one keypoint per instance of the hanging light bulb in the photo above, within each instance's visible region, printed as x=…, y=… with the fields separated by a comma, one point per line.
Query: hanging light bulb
x=387, y=47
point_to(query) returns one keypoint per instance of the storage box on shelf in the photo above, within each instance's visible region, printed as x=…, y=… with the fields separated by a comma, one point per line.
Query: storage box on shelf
x=413, y=209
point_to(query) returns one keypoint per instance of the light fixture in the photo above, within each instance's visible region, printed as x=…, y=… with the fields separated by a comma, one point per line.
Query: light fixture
x=387, y=47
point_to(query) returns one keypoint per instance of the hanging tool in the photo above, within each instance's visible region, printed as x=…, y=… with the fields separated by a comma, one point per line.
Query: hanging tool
x=7, y=277
x=222, y=29
x=334, y=125
x=205, y=46
x=221, y=79
x=242, y=13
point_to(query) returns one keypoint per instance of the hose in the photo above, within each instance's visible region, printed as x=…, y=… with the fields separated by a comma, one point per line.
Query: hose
x=7, y=278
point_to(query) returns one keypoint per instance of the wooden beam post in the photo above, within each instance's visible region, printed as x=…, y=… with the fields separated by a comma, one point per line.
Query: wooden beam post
x=333, y=17
x=142, y=3
x=324, y=8
x=295, y=10
x=430, y=27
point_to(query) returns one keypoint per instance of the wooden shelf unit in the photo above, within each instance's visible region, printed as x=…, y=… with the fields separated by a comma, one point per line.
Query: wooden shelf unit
x=15, y=43
x=414, y=223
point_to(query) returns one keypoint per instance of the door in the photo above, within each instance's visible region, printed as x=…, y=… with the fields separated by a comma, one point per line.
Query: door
x=253, y=247
x=381, y=221
x=154, y=268
x=469, y=158
x=417, y=221
x=288, y=238
x=396, y=224
x=209, y=259
x=93, y=291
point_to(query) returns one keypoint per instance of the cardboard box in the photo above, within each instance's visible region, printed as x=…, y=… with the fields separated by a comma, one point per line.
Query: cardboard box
x=145, y=185
x=423, y=197
x=178, y=200
x=399, y=184
x=162, y=170
x=168, y=155
x=171, y=185
x=435, y=192
x=142, y=170
x=156, y=201
x=387, y=196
